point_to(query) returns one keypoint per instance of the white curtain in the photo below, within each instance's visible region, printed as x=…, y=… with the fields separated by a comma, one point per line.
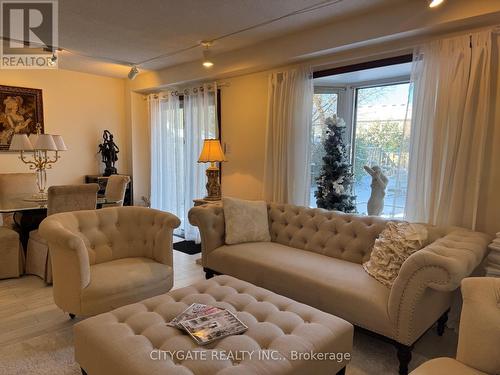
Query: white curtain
x=451, y=104
x=287, y=167
x=167, y=155
x=178, y=129
x=200, y=116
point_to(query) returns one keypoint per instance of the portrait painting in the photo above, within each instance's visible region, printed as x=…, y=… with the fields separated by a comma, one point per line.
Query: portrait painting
x=21, y=109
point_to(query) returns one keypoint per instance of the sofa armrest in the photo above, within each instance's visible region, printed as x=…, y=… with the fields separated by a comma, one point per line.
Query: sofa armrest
x=68, y=253
x=209, y=219
x=440, y=266
x=162, y=251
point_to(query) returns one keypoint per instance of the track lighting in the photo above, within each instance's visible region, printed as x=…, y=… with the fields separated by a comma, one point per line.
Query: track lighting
x=435, y=3
x=207, y=61
x=52, y=61
x=133, y=73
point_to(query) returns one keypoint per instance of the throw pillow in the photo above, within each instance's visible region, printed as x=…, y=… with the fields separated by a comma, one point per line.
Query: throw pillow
x=394, y=245
x=246, y=221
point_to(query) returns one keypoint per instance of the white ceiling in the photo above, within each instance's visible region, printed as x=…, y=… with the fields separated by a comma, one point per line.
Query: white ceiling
x=134, y=31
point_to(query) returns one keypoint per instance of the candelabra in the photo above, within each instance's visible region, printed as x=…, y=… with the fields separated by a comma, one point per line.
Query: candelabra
x=39, y=148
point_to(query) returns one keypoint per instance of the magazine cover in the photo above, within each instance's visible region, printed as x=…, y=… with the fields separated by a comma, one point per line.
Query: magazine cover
x=208, y=328
x=194, y=311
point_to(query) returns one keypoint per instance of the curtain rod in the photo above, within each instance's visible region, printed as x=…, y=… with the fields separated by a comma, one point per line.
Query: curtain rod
x=186, y=91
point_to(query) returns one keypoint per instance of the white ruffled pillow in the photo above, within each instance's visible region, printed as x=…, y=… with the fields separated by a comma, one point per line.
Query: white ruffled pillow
x=246, y=221
x=393, y=246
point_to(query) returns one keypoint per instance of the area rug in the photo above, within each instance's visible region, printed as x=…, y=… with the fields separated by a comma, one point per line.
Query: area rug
x=188, y=247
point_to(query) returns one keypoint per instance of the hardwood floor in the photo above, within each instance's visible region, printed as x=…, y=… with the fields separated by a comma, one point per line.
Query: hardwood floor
x=27, y=308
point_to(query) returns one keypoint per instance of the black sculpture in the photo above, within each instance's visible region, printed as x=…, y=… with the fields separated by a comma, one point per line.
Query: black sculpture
x=109, y=151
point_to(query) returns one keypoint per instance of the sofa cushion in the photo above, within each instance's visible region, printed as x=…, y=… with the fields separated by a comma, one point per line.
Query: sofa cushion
x=340, y=288
x=126, y=280
x=335, y=234
x=246, y=221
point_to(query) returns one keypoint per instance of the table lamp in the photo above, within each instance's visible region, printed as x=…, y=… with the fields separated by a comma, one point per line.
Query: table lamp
x=39, y=145
x=212, y=153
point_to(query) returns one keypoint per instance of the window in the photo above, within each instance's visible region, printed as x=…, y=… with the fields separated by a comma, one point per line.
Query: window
x=382, y=137
x=374, y=100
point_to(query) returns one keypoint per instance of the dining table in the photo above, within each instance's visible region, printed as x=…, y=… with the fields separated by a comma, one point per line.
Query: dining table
x=29, y=212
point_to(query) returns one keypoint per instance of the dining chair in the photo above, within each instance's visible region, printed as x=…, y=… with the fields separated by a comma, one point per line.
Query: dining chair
x=12, y=186
x=63, y=198
x=115, y=190
x=15, y=186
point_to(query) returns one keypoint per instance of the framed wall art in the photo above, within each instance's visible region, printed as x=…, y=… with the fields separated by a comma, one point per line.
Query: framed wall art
x=21, y=109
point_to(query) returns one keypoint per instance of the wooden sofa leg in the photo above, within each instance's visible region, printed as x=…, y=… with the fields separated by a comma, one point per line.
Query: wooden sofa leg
x=442, y=323
x=404, y=356
x=341, y=371
x=208, y=273
x=83, y=371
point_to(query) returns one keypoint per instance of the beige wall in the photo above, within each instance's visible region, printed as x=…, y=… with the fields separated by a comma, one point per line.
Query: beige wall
x=79, y=107
x=244, y=110
x=139, y=131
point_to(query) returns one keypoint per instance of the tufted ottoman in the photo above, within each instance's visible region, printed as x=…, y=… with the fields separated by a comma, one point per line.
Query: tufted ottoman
x=283, y=336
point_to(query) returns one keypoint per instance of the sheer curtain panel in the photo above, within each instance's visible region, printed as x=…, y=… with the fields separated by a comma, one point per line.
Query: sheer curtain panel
x=167, y=155
x=287, y=167
x=200, y=116
x=451, y=107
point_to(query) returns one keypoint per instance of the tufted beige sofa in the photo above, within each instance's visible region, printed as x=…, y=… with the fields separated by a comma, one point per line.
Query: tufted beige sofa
x=479, y=338
x=134, y=339
x=103, y=259
x=315, y=257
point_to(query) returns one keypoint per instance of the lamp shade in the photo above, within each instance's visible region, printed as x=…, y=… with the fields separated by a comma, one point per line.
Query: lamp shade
x=33, y=137
x=20, y=142
x=59, y=141
x=211, y=152
x=45, y=142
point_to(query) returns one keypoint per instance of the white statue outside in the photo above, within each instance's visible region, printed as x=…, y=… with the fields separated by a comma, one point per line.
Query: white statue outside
x=379, y=183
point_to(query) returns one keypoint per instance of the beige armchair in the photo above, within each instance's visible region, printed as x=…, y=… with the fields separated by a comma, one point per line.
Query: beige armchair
x=64, y=198
x=479, y=338
x=103, y=259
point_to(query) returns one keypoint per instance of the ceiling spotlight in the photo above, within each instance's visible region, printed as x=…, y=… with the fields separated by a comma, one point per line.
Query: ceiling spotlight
x=52, y=61
x=207, y=61
x=133, y=72
x=435, y=3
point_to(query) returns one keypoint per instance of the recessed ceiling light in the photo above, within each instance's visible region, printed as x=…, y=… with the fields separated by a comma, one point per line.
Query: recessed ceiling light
x=435, y=3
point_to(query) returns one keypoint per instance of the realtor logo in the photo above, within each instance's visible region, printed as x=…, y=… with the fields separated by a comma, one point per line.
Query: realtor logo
x=29, y=34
